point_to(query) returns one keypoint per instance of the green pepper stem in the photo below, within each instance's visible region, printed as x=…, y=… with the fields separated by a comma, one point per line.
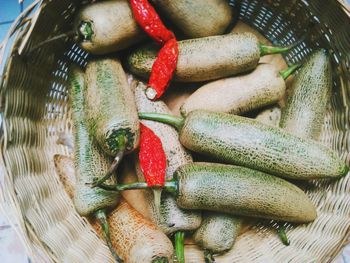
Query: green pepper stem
x=123, y=187
x=283, y=236
x=169, y=186
x=289, y=71
x=208, y=257
x=117, y=159
x=268, y=50
x=172, y=120
x=100, y=215
x=160, y=260
x=157, y=195
x=85, y=31
x=180, y=246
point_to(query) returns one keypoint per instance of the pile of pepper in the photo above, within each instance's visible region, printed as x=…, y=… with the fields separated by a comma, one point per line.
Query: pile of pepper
x=165, y=64
x=119, y=120
x=151, y=155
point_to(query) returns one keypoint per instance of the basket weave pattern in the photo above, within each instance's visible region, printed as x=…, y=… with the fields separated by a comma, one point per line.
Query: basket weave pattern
x=35, y=110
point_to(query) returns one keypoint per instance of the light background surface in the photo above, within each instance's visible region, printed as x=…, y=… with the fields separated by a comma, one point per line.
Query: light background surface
x=11, y=249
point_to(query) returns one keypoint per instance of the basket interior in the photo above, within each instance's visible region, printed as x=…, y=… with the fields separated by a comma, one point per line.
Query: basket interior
x=35, y=107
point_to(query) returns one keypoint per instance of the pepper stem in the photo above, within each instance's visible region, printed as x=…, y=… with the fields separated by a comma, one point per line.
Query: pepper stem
x=100, y=215
x=172, y=120
x=114, y=166
x=283, y=236
x=157, y=194
x=160, y=260
x=208, y=257
x=169, y=186
x=268, y=50
x=85, y=30
x=123, y=187
x=180, y=246
x=151, y=93
x=289, y=71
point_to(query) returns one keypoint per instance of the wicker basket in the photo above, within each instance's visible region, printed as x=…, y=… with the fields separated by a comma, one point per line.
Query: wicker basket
x=35, y=110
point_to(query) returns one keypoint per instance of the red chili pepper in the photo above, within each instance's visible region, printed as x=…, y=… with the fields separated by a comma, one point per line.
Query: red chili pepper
x=163, y=69
x=164, y=66
x=152, y=157
x=148, y=19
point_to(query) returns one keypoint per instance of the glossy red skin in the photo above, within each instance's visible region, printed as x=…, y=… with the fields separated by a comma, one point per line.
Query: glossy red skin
x=152, y=157
x=148, y=19
x=163, y=67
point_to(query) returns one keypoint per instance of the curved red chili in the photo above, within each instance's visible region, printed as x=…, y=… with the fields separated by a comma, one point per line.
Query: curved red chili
x=152, y=157
x=163, y=69
x=148, y=19
x=164, y=66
